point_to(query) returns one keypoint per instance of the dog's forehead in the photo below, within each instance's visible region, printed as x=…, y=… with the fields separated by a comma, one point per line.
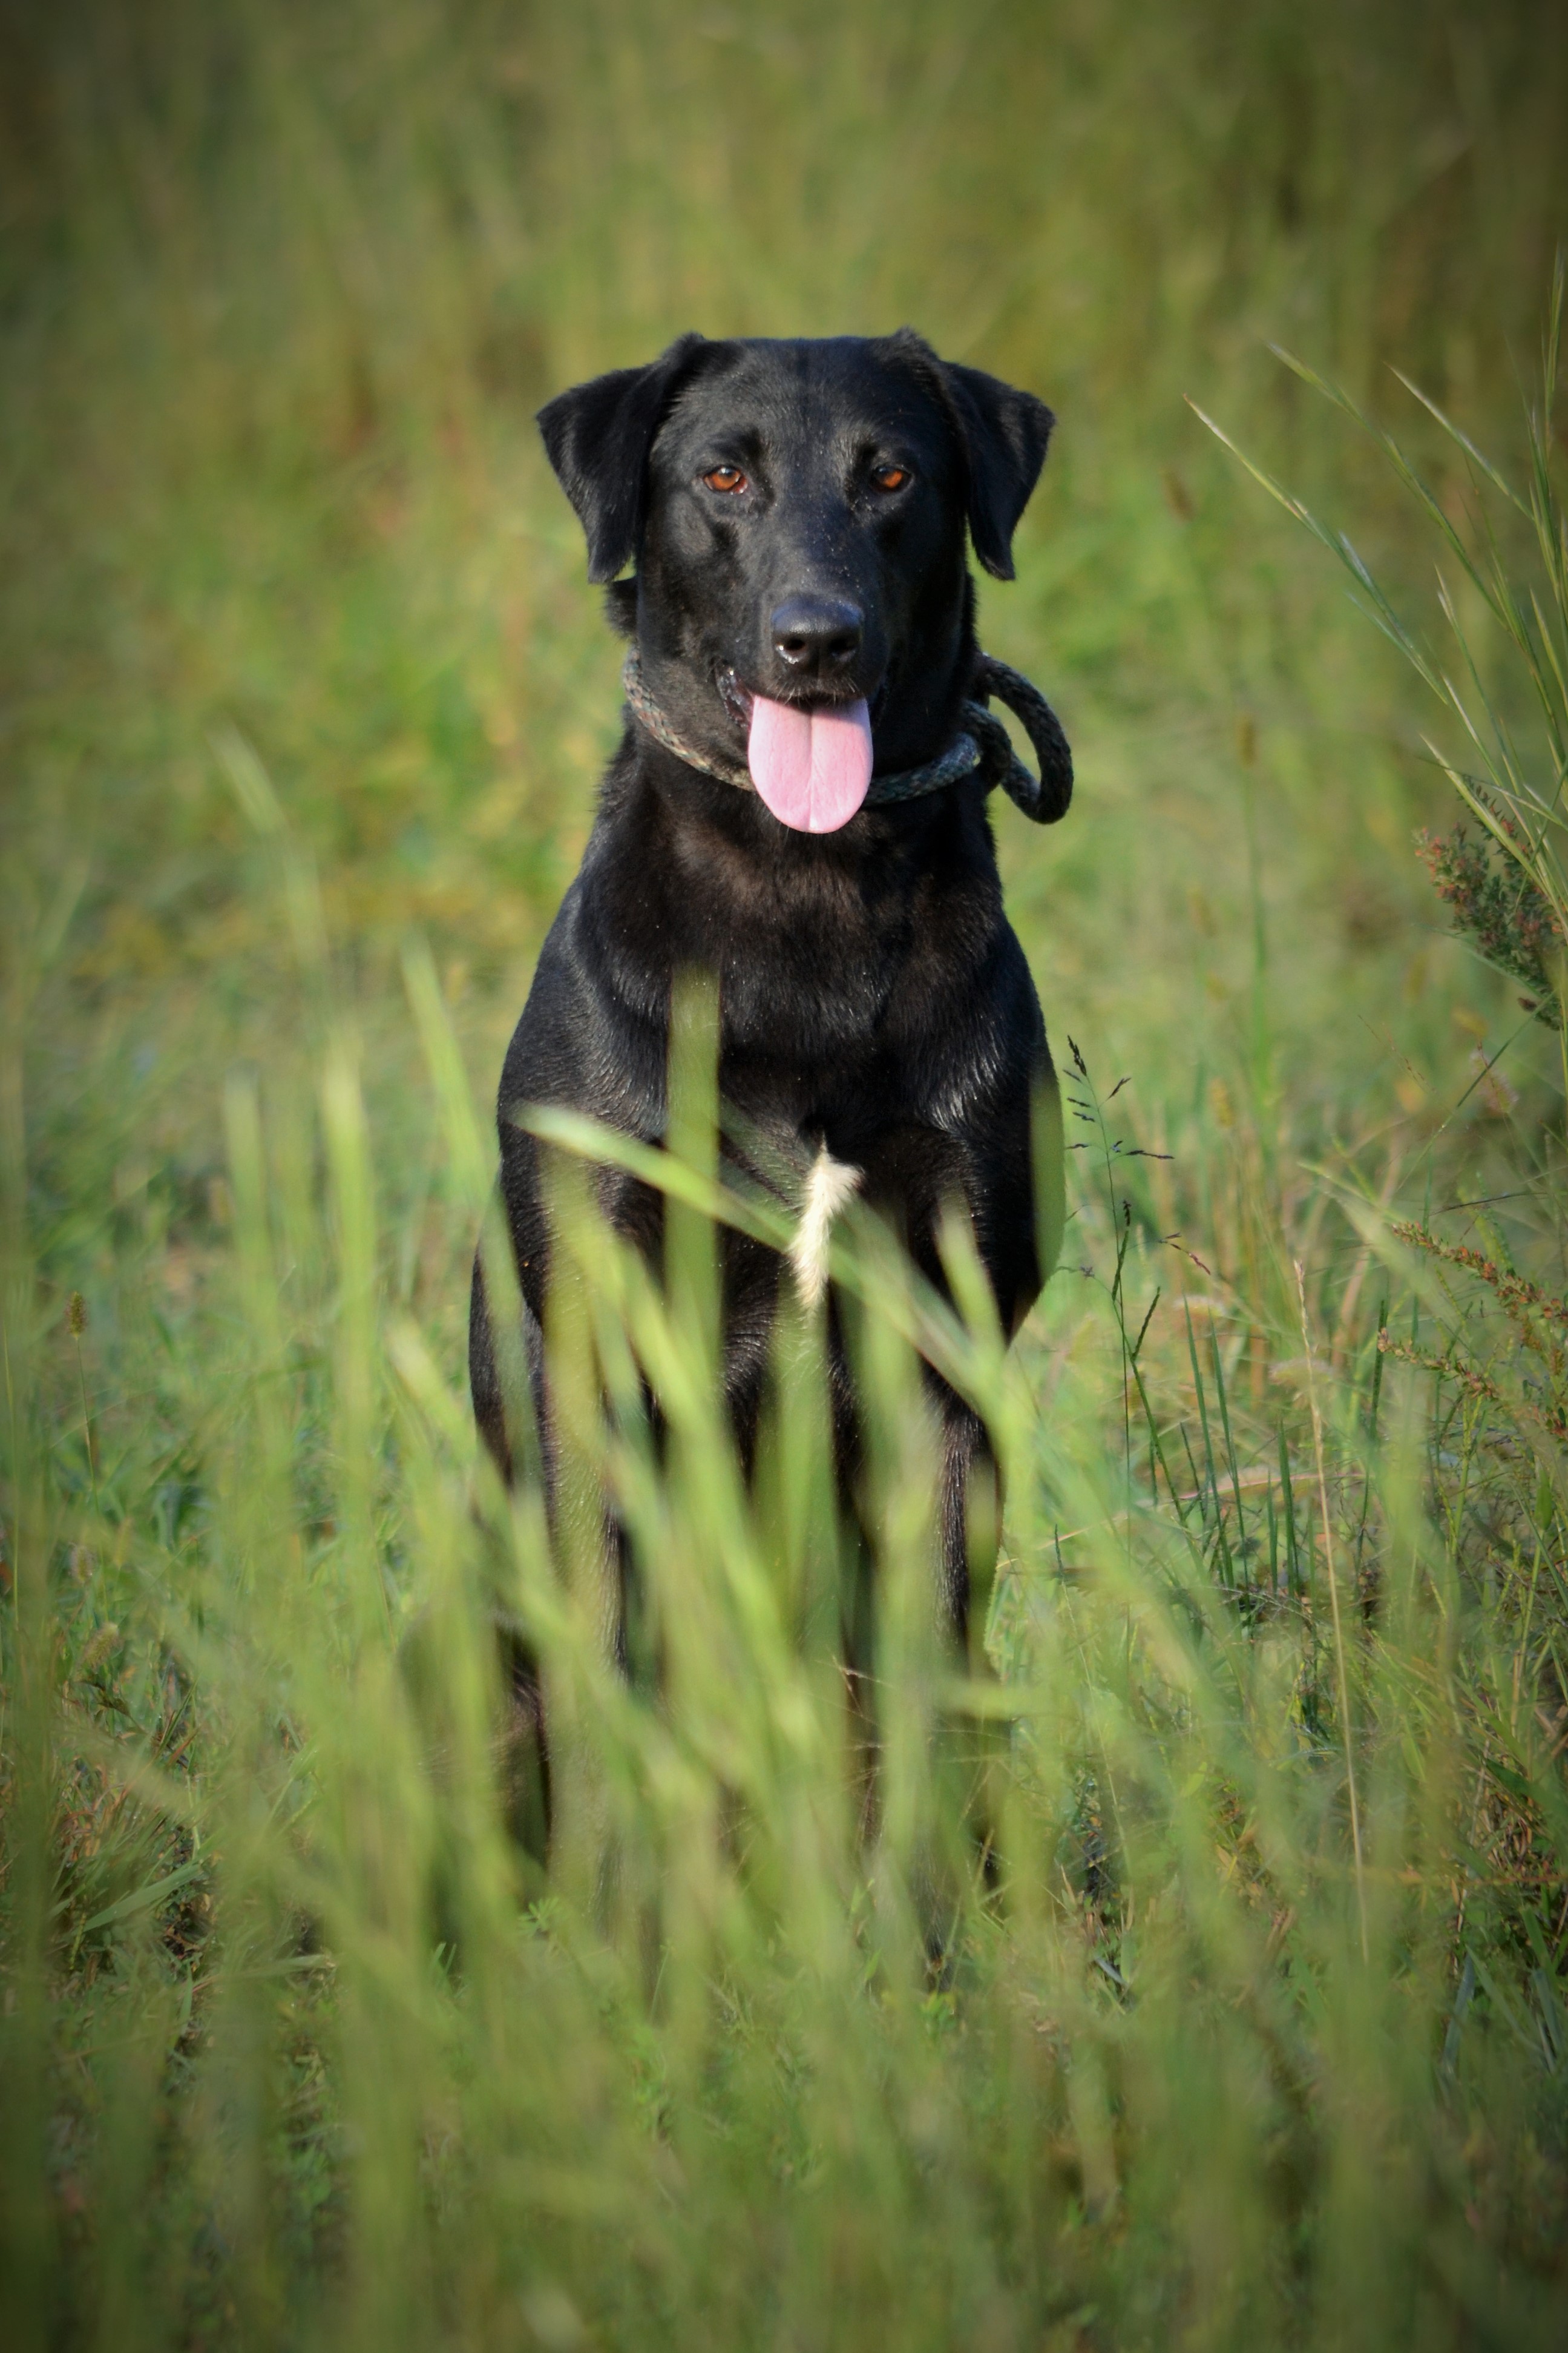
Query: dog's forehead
x=814, y=393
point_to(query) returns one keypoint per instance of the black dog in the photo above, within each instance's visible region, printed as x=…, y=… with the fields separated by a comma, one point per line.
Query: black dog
x=803, y=616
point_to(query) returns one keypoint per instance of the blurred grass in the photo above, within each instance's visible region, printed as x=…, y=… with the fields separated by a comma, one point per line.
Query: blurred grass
x=304, y=699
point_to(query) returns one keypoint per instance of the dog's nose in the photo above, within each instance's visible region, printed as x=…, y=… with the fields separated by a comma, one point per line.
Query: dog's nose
x=816, y=634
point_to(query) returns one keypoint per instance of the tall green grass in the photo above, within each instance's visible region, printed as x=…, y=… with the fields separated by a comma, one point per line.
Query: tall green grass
x=326, y=2069
x=1260, y=2034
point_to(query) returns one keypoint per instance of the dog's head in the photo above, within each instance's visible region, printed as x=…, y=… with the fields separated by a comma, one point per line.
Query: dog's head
x=796, y=513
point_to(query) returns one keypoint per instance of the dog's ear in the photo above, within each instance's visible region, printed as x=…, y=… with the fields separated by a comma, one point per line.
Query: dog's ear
x=1003, y=434
x=597, y=437
x=1006, y=434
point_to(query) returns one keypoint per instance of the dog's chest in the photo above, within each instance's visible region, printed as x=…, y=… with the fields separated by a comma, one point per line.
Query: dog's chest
x=815, y=951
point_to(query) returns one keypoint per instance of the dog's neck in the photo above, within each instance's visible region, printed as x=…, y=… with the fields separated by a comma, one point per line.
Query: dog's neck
x=961, y=757
x=979, y=752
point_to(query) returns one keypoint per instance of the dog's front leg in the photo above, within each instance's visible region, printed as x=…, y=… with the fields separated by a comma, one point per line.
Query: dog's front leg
x=972, y=1745
x=538, y=1421
x=969, y=1532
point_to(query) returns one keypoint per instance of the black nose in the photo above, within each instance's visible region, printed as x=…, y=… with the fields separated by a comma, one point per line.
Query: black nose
x=813, y=635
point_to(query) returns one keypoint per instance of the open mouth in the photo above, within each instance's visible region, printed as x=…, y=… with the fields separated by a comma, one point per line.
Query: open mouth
x=810, y=762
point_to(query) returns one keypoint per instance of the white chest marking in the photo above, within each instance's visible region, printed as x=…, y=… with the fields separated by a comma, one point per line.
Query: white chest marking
x=830, y=1185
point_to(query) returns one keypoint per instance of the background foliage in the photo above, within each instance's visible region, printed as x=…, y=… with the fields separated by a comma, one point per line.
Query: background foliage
x=304, y=702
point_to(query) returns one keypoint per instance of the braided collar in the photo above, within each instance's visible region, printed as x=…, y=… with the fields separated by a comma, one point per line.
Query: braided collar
x=983, y=747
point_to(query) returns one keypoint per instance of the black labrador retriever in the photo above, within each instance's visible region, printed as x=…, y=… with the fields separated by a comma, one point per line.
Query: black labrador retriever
x=797, y=808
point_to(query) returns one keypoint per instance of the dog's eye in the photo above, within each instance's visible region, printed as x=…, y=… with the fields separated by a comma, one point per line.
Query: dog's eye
x=889, y=478
x=726, y=477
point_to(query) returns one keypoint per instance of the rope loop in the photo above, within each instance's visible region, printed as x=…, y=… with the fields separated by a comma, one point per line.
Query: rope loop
x=983, y=748
x=1044, y=799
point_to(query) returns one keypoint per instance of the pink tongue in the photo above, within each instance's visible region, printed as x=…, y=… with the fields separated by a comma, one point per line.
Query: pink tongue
x=811, y=768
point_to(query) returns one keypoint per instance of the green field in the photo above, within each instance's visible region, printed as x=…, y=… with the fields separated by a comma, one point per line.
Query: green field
x=1261, y=2039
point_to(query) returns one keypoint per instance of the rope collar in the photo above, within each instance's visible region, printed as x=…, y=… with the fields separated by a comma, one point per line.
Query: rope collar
x=983, y=748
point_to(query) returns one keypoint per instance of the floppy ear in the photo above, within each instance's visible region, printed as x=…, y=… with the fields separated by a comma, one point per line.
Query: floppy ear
x=1007, y=434
x=1003, y=434
x=597, y=437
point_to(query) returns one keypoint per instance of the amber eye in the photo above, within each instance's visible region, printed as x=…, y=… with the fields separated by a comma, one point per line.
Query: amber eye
x=726, y=477
x=890, y=478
